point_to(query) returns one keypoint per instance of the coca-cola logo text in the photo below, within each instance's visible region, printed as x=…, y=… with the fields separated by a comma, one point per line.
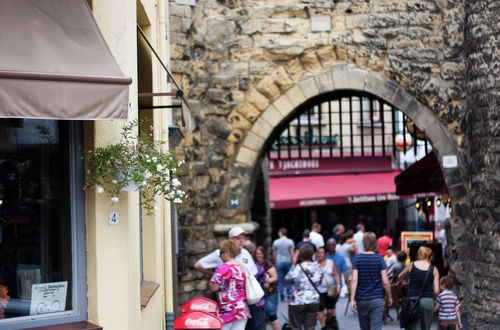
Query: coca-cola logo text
x=201, y=306
x=201, y=322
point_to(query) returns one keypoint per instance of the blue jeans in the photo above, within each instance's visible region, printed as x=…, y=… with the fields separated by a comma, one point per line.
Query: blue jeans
x=258, y=319
x=271, y=306
x=283, y=268
x=370, y=314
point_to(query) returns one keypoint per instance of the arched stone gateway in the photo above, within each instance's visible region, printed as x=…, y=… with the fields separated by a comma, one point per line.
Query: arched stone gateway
x=248, y=65
x=340, y=77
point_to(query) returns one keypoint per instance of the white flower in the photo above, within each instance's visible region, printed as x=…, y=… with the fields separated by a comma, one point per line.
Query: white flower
x=159, y=167
x=99, y=190
x=144, y=183
x=148, y=160
x=181, y=162
x=155, y=159
x=177, y=200
x=114, y=181
x=147, y=174
x=176, y=182
x=171, y=195
x=115, y=199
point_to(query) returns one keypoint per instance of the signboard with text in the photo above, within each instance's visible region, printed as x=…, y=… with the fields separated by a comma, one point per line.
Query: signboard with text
x=315, y=166
x=199, y=304
x=197, y=320
x=48, y=297
x=409, y=237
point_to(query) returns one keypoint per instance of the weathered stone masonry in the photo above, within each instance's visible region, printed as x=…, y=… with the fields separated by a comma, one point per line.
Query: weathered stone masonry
x=478, y=250
x=248, y=64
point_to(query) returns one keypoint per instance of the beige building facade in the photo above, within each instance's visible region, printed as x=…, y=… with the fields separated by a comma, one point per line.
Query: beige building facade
x=118, y=270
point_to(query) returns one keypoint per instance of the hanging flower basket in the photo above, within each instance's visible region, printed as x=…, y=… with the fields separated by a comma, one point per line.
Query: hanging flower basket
x=138, y=163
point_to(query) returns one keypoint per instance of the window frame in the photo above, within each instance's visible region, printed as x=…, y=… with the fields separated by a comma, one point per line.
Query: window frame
x=78, y=243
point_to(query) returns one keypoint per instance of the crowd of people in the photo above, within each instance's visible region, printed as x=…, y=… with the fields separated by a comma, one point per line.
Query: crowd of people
x=311, y=276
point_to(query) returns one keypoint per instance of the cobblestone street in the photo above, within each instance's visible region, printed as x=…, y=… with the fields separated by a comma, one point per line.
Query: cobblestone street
x=348, y=321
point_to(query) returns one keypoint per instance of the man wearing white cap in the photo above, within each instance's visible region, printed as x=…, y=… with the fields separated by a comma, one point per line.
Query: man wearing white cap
x=213, y=260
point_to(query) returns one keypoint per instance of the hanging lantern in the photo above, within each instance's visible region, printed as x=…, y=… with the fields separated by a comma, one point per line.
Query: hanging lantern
x=402, y=140
x=446, y=200
x=412, y=128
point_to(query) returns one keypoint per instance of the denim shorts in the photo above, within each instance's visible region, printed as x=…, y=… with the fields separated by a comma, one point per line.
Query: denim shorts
x=271, y=306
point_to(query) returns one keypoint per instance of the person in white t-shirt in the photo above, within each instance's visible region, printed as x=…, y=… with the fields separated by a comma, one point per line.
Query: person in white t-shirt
x=358, y=237
x=315, y=236
x=208, y=263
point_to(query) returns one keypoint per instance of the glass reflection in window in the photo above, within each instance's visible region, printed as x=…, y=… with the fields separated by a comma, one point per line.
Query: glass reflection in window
x=35, y=246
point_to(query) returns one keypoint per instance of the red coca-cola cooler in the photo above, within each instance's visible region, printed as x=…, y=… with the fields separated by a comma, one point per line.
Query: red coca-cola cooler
x=199, y=304
x=197, y=320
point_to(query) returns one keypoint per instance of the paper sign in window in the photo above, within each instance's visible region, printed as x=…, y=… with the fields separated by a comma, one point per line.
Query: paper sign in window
x=48, y=297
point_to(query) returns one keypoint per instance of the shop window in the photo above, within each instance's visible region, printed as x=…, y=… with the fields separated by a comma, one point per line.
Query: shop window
x=41, y=223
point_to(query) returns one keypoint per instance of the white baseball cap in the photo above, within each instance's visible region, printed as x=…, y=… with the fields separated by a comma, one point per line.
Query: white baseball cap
x=236, y=231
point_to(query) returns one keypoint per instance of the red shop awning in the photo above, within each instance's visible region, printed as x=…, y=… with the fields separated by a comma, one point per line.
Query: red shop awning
x=424, y=176
x=320, y=190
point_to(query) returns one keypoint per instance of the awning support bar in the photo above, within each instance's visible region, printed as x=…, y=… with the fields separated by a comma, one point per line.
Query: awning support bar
x=156, y=55
x=186, y=116
x=157, y=94
x=173, y=106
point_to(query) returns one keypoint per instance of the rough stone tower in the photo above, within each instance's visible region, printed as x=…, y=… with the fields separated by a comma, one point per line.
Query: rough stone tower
x=248, y=64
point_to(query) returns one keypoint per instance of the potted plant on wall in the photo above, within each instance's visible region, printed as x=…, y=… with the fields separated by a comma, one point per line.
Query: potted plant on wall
x=137, y=162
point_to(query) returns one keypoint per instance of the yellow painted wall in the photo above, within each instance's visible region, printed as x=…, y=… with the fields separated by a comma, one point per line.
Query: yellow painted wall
x=113, y=268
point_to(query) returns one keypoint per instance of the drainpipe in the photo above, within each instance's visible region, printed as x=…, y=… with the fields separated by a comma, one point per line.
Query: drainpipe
x=166, y=119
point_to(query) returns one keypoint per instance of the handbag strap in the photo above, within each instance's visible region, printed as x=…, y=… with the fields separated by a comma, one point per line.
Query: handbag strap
x=312, y=283
x=244, y=269
x=431, y=267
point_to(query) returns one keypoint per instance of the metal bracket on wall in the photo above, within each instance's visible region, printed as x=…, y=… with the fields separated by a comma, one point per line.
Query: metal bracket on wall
x=179, y=94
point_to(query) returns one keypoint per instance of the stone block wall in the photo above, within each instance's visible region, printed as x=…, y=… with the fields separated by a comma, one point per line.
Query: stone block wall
x=478, y=249
x=245, y=64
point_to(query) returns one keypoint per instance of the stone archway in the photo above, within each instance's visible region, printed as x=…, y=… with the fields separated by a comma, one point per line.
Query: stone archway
x=348, y=77
x=338, y=77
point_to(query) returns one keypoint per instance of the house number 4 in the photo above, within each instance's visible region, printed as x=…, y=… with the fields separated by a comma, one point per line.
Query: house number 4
x=113, y=218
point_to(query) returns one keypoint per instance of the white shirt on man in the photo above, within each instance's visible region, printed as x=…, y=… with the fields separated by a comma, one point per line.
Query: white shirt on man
x=213, y=260
x=358, y=238
x=317, y=239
